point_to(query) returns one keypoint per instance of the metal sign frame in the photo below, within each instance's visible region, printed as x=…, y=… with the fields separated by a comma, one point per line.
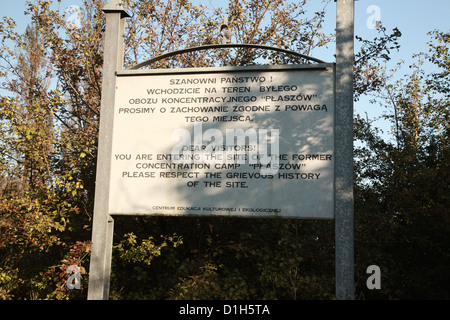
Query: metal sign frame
x=103, y=223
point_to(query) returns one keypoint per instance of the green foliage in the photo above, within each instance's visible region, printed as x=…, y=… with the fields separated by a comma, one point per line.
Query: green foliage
x=133, y=259
x=46, y=182
x=219, y=259
x=129, y=251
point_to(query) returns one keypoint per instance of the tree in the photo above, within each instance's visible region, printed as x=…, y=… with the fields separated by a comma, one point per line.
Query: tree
x=402, y=187
x=62, y=121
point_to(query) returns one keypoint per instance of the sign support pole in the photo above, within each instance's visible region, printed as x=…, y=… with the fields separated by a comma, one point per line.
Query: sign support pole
x=103, y=225
x=344, y=220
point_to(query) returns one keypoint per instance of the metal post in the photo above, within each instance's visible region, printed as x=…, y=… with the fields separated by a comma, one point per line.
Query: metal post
x=102, y=229
x=344, y=223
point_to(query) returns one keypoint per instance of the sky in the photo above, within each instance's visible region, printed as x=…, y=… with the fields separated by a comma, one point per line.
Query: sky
x=414, y=18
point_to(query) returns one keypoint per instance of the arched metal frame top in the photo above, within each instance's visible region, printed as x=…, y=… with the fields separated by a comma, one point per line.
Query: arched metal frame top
x=218, y=46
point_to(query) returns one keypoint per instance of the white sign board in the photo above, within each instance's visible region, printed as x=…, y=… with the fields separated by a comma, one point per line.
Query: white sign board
x=245, y=142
